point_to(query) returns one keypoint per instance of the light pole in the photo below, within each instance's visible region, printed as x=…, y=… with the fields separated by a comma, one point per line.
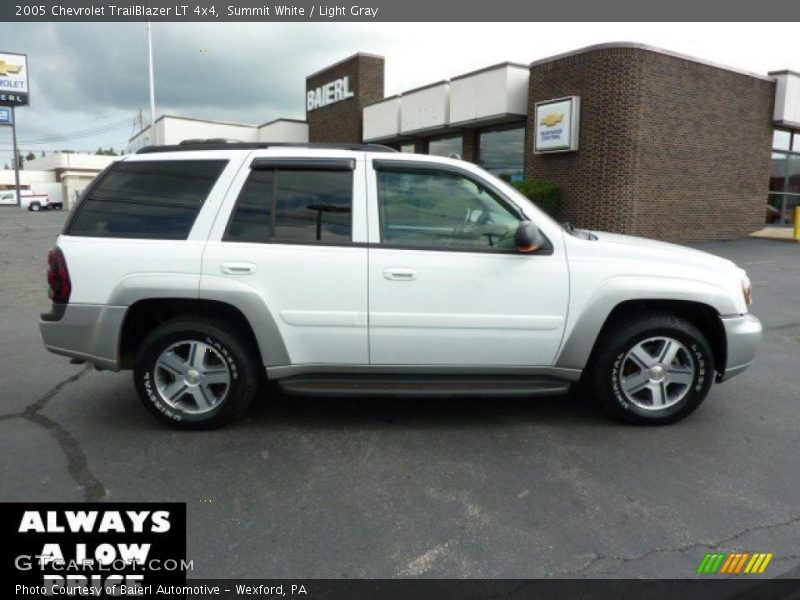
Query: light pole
x=16, y=153
x=152, y=85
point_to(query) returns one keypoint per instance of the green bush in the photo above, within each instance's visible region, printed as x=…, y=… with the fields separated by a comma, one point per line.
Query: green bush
x=545, y=194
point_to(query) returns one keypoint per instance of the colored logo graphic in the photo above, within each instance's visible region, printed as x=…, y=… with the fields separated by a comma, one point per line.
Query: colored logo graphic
x=734, y=563
x=7, y=68
x=552, y=119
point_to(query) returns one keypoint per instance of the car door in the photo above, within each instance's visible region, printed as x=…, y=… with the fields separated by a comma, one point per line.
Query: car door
x=292, y=234
x=447, y=285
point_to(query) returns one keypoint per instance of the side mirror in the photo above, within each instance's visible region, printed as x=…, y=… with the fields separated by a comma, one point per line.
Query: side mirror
x=529, y=238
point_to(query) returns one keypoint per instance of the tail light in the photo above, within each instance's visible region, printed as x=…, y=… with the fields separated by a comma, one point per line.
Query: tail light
x=58, y=276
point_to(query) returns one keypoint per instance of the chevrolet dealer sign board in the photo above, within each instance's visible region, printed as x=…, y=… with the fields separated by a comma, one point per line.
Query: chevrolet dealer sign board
x=13, y=79
x=557, y=125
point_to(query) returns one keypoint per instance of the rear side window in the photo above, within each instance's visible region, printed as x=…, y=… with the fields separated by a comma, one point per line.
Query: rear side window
x=147, y=199
x=294, y=205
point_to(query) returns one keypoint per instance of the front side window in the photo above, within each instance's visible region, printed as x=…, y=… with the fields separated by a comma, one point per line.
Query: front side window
x=294, y=206
x=146, y=199
x=442, y=210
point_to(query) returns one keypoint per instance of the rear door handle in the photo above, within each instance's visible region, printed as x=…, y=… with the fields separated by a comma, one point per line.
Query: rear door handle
x=238, y=268
x=398, y=274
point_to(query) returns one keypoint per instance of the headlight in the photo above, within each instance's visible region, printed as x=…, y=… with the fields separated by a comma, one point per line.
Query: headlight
x=747, y=291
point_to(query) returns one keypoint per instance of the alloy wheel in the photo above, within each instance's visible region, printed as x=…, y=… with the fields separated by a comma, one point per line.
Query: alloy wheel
x=657, y=373
x=192, y=377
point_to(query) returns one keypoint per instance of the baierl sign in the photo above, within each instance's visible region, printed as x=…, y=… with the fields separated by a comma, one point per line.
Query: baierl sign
x=335, y=91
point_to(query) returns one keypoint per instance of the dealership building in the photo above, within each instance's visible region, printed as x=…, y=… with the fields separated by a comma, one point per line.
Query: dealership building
x=61, y=175
x=638, y=139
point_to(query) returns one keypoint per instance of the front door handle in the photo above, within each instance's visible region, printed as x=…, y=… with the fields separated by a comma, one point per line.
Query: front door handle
x=398, y=274
x=238, y=268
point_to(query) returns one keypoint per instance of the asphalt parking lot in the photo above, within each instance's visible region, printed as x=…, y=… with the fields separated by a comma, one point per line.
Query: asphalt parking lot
x=318, y=488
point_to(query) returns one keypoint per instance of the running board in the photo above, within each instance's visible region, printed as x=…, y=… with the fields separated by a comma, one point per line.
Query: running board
x=423, y=386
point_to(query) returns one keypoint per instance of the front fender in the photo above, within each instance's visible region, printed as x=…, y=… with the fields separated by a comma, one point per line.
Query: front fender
x=588, y=317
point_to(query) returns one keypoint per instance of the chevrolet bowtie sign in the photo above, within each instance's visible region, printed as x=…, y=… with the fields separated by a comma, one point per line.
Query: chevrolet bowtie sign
x=557, y=125
x=13, y=79
x=552, y=119
x=6, y=68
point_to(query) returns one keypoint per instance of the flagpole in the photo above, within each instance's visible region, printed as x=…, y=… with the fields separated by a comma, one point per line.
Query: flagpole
x=153, y=140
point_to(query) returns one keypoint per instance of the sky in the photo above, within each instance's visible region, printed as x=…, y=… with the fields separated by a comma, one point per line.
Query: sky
x=91, y=78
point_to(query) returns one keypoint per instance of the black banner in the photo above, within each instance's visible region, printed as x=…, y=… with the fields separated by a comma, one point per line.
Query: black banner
x=92, y=549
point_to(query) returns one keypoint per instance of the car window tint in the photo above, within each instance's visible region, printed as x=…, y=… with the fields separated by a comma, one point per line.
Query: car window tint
x=294, y=205
x=146, y=199
x=252, y=219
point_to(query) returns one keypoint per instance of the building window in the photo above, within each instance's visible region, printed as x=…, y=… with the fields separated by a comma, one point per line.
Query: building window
x=408, y=148
x=781, y=139
x=501, y=151
x=784, y=182
x=451, y=146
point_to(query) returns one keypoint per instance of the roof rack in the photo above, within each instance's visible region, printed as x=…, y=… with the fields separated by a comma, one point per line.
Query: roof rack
x=223, y=144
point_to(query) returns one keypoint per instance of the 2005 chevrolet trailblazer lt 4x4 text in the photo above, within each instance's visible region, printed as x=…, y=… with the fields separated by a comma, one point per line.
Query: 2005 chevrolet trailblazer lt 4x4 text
x=342, y=270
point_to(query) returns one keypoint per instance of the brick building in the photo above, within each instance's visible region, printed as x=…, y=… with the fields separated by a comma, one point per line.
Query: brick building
x=640, y=140
x=360, y=78
x=666, y=146
x=669, y=147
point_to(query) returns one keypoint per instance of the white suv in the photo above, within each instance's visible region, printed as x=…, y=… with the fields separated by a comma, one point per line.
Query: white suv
x=342, y=270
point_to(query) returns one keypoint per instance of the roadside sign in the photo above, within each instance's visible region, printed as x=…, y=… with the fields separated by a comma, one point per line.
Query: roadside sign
x=13, y=79
x=5, y=116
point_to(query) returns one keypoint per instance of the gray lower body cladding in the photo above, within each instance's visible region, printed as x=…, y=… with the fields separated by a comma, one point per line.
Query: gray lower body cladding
x=88, y=332
x=743, y=335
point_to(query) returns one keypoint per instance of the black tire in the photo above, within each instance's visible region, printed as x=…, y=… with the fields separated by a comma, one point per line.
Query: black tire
x=239, y=358
x=34, y=206
x=604, y=373
x=58, y=206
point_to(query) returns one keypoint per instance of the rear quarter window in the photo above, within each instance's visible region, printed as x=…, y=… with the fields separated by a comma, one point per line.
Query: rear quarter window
x=146, y=199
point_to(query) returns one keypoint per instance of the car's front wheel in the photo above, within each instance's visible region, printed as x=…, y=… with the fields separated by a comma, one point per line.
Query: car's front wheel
x=196, y=373
x=653, y=369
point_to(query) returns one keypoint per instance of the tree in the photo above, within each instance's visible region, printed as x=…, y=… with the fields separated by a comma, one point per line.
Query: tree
x=30, y=156
x=42, y=153
x=5, y=166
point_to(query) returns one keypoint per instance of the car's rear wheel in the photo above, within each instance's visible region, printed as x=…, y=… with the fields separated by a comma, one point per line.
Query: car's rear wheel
x=653, y=369
x=34, y=206
x=196, y=373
